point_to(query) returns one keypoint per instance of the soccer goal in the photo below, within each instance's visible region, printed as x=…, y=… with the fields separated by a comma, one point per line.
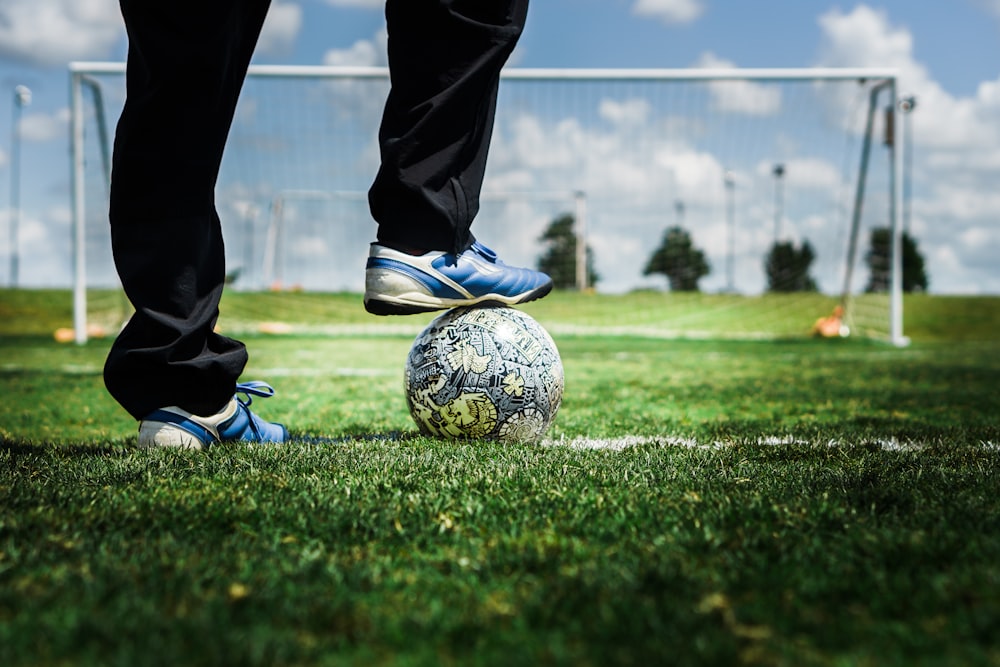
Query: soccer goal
x=738, y=202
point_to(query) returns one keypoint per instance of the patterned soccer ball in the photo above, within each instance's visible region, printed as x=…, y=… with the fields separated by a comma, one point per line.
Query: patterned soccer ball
x=489, y=372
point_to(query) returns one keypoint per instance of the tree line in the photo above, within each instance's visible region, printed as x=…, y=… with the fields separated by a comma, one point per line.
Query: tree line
x=786, y=265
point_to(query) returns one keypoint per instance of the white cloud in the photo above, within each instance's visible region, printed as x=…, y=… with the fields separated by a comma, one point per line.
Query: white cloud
x=954, y=203
x=362, y=53
x=284, y=20
x=359, y=99
x=360, y=4
x=315, y=247
x=755, y=99
x=669, y=11
x=625, y=112
x=980, y=237
x=956, y=139
x=45, y=127
x=53, y=32
x=43, y=247
x=866, y=38
x=806, y=172
x=529, y=133
x=694, y=171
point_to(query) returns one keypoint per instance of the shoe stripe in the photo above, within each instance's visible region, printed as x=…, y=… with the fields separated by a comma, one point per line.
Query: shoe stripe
x=480, y=276
x=180, y=421
x=433, y=285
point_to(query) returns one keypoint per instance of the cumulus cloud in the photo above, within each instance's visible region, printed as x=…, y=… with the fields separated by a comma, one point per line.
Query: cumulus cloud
x=53, y=32
x=805, y=172
x=625, y=112
x=355, y=97
x=284, y=20
x=865, y=37
x=44, y=238
x=740, y=96
x=363, y=53
x=358, y=4
x=956, y=144
x=43, y=126
x=669, y=11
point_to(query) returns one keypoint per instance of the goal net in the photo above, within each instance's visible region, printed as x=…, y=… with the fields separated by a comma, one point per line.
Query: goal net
x=775, y=180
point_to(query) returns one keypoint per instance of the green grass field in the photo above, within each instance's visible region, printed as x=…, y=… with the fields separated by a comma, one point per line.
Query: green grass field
x=706, y=501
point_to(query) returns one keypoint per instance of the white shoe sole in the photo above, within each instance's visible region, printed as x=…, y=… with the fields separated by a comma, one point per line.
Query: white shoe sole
x=389, y=292
x=160, y=434
x=154, y=433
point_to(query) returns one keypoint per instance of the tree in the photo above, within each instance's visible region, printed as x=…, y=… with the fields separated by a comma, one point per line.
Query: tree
x=678, y=260
x=877, y=259
x=559, y=260
x=787, y=267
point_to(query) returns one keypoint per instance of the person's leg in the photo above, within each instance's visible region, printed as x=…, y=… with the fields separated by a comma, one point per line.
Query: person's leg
x=186, y=63
x=445, y=58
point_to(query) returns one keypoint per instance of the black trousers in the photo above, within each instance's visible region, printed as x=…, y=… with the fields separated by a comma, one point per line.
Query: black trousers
x=187, y=61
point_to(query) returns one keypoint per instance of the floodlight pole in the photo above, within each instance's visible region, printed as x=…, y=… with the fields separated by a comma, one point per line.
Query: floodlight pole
x=779, y=172
x=250, y=218
x=730, y=183
x=272, y=243
x=907, y=105
x=580, y=206
x=896, y=198
x=22, y=98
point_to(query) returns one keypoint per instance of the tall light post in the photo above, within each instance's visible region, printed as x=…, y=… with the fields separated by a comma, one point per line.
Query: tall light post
x=730, y=183
x=907, y=105
x=22, y=98
x=580, y=213
x=779, y=172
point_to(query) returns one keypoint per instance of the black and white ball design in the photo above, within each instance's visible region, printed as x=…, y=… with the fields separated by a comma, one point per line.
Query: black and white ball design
x=488, y=372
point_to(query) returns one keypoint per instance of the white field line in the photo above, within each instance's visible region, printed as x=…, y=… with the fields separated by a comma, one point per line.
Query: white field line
x=629, y=441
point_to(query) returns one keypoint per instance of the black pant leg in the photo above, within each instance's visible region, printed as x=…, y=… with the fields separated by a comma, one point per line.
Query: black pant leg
x=445, y=58
x=187, y=61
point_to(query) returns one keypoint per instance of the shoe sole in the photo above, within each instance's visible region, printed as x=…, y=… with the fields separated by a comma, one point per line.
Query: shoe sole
x=422, y=303
x=153, y=434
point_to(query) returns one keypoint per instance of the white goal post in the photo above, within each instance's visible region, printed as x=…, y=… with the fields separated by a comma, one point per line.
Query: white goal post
x=742, y=158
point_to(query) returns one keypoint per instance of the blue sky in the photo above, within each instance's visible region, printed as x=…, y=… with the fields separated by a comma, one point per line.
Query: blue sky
x=948, y=54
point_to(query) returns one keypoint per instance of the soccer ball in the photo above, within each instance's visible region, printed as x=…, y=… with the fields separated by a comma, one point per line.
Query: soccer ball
x=489, y=372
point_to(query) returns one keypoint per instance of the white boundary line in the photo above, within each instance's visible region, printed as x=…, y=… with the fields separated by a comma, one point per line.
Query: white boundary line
x=630, y=441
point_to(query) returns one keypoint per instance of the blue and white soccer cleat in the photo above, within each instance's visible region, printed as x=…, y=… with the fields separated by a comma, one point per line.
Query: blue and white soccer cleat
x=397, y=283
x=174, y=427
